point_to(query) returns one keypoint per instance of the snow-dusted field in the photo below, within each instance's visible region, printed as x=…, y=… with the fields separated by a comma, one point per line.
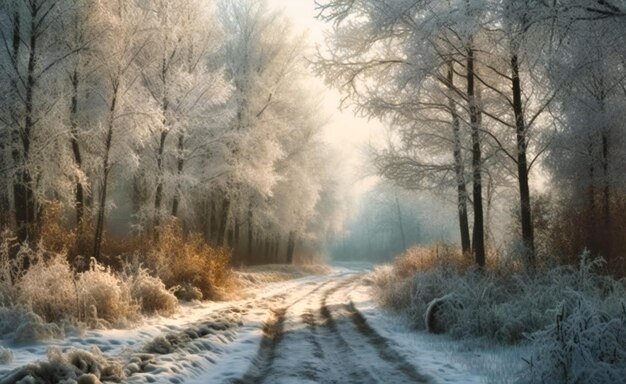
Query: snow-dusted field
x=314, y=329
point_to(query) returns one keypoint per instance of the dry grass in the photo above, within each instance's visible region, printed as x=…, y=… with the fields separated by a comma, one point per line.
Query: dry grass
x=189, y=262
x=105, y=295
x=54, y=235
x=48, y=289
x=151, y=294
x=428, y=258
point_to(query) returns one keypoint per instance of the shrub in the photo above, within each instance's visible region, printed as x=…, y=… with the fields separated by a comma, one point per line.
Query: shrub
x=586, y=344
x=151, y=294
x=107, y=294
x=583, y=345
x=423, y=259
x=31, y=328
x=48, y=289
x=181, y=261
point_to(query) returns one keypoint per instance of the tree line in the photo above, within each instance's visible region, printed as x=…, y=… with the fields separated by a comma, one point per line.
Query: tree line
x=181, y=110
x=486, y=99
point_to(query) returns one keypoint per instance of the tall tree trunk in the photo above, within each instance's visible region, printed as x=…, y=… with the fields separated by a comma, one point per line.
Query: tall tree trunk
x=266, y=251
x=459, y=167
x=180, y=163
x=13, y=140
x=221, y=234
x=106, y=166
x=158, y=196
x=79, y=193
x=214, y=228
x=528, y=236
x=291, y=247
x=161, y=151
x=250, y=232
x=478, y=238
x=400, y=224
x=276, y=247
x=607, y=241
x=591, y=200
x=23, y=190
x=206, y=220
x=236, y=231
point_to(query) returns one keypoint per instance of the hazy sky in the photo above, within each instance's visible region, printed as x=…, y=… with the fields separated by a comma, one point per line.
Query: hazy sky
x=344, y=131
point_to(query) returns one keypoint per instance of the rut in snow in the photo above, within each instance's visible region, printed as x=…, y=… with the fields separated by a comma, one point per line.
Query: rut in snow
x=322, y=337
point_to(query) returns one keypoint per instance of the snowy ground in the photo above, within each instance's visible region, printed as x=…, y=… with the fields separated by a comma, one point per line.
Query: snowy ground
x=314, y=329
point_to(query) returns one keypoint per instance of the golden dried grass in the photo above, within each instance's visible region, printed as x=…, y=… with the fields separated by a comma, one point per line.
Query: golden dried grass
x=183, y=261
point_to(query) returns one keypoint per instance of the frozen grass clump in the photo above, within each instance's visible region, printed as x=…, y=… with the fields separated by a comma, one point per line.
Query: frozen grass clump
x=10, y=318
x=106, y=295
x=32, y=328
x=47, y=288
x=22, y=326
x=151, y=294
x=72, y=366
x=6, y=356
x=500, y=303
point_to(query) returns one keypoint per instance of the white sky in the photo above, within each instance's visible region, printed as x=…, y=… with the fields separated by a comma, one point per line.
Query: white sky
x=346, y=132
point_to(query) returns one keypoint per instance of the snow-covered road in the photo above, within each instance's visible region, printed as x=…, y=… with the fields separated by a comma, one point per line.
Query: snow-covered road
x=318, y=336
x=314, y=329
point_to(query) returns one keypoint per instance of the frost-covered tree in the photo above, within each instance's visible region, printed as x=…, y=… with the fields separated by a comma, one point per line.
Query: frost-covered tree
x=31, y=56
x=585, y=162
x=128, y=114
x=183, y=38
x=271, y=173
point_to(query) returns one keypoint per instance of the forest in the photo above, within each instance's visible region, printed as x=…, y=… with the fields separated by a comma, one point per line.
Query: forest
x=120, y=118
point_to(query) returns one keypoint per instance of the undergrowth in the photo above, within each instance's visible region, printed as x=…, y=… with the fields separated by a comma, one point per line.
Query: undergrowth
x=574, y=316
x=43, y=290
x=41, y=294
x=191, y=267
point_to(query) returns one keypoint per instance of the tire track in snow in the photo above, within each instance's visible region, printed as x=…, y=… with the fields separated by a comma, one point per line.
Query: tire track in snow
x=385, y=351
x=318, y=341
x=273, y=331
x=361, y=339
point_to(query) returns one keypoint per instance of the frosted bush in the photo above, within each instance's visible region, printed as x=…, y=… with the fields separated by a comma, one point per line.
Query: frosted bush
x=583, y=345
x=151, y=294
x=33, y=328
x=497, y=303
x=106, y=294
x=187, y=292
x=422, y=290
x=25, y=327
x=47, y=288
x=410, y=296
x=10, y=318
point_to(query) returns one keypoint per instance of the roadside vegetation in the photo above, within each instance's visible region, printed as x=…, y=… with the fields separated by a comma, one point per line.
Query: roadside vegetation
x=42, y=292
x=573, y=315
